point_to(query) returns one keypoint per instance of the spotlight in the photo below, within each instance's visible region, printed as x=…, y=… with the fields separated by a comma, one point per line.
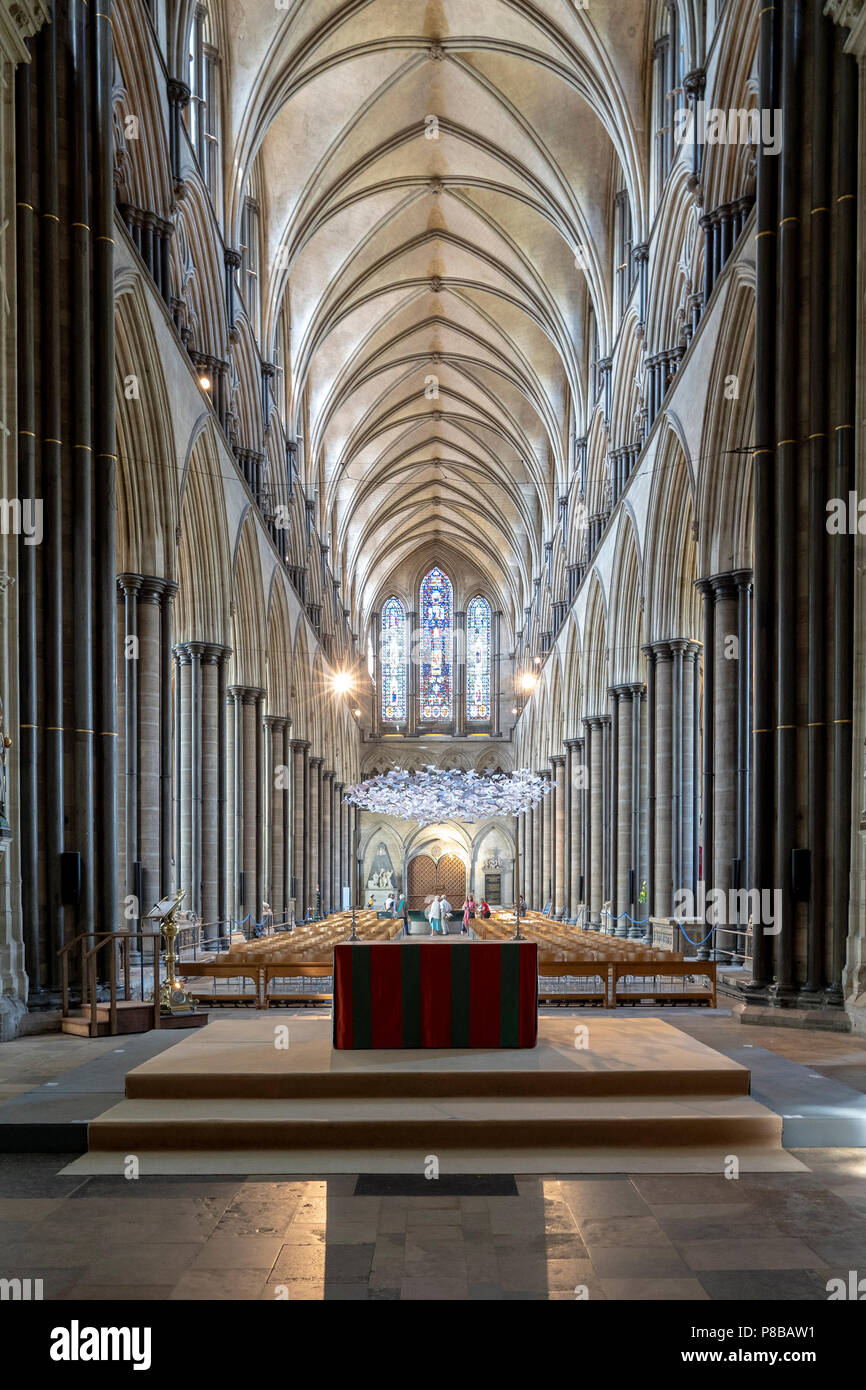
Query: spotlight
x=538, y=661
x=204, y=382
x=342, y=682
x=530, y=681
x=357, y=713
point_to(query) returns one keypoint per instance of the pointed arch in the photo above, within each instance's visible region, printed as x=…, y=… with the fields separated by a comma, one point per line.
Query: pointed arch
x=249, y=633
x=204, y=564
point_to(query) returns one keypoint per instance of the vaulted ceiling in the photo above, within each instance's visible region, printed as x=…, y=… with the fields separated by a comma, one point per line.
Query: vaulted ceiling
x=436, y=182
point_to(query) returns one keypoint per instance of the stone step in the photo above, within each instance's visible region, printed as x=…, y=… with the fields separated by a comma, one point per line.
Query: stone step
x=268, y=1079
x=428, y=1125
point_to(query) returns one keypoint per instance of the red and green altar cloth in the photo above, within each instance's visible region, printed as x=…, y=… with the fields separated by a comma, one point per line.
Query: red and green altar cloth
x=436, y=994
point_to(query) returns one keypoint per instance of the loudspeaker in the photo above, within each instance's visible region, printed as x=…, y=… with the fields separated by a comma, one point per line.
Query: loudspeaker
x=736, y=873
x=70, y=877
x=631, y=886
x=580, y=889
x=801, y=874
x=242, y=887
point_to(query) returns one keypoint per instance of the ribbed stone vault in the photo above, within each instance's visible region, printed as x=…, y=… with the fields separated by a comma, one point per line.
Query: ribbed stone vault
x=438, y=182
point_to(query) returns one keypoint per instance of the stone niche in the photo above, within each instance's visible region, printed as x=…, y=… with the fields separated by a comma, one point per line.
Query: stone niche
x=381, y=878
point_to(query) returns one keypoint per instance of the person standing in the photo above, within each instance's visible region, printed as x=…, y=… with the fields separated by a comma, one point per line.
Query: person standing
x=403, y=911
x=435, y=914
x=446, y=913
x=464, y=930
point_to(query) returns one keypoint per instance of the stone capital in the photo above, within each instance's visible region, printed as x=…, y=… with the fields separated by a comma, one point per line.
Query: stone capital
x=657, y=651
x=129, y=584
x=215, y=654
x=178, y=92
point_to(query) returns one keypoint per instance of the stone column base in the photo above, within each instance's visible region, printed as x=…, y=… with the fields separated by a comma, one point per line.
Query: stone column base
x=13, y=1012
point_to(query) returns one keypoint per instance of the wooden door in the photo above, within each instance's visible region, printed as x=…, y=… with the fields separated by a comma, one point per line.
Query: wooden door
x=422, y=880
x=451, y=879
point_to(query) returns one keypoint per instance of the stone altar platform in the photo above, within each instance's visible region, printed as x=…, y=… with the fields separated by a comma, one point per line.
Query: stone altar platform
x=247, y=1096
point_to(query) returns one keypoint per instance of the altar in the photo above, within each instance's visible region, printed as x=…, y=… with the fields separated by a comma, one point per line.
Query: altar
x=439, y=994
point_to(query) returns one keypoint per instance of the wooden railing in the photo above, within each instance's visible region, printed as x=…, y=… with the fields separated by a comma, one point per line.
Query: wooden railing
x=111, y=950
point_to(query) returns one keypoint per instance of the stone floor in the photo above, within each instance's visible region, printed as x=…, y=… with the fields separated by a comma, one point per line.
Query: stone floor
x=767, y=1236
x=620, y=1236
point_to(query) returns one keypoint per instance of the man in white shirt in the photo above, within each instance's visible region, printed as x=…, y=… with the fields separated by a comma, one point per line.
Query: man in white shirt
x=446, y=914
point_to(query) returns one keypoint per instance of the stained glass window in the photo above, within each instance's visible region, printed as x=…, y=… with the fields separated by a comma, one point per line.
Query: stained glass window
x=478, y=659
x=393, y=654
x=437, y=602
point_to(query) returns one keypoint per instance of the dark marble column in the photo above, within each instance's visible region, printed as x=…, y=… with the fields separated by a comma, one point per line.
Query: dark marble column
x=212, y=870
x=129, y=586
x=574, y=832
x=275, y=888
x=638, y=912
x=251, y=801
x=288, y=821
x=606, y=805
x=234, y=800
x=301, y=751
x=183, y=680
x=327, y=840
x=621, y=846
x=315, y=830
x=537, y=899
x=165, y=742
x=546, y=845
x=662, y=714
x=595, y=828
x=336, y=832
x=559, y=836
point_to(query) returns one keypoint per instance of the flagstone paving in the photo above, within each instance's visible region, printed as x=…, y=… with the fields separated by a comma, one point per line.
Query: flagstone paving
x=762, y=1236
x=620, y=1236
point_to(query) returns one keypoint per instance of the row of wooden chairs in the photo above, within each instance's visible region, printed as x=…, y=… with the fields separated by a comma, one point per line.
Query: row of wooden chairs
x=313, y=939
x=612, y=970
x=558, y=941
